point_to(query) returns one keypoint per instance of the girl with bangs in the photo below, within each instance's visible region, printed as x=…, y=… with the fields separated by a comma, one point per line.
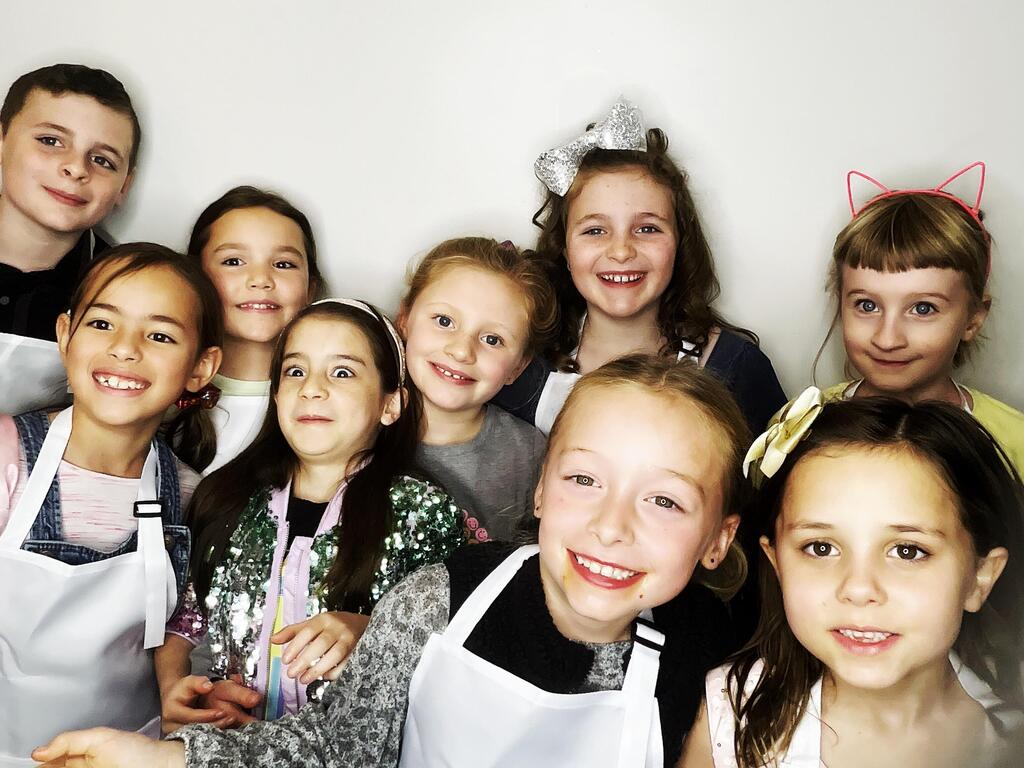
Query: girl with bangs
x=910, y=276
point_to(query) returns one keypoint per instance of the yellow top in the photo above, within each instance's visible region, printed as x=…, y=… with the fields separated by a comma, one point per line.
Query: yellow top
x=1005, y=423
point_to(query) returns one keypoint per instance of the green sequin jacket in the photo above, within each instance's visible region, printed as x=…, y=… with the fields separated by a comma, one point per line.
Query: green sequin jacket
x=427, y=526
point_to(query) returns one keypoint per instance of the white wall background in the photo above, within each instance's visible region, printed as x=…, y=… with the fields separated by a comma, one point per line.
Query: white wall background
x=398, y=124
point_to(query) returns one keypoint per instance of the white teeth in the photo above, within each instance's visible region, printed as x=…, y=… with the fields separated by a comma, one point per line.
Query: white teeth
x=865, y=637
x=452, y=375
x=116, y=382
x=608, y=571
x=630, y=278
x=255, y=305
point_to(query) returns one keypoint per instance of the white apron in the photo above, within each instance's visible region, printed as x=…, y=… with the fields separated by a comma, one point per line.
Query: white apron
x=31, y=374
x=465, y=712
x=73, y=638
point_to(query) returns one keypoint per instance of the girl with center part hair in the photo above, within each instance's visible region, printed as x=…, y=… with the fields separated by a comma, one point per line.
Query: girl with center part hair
x=93, y=545
x=909, y=274
x=893, y=539
x=588, y=648
x=623, y=242
x=475, y=314
x=259, y=251
x=298, y=537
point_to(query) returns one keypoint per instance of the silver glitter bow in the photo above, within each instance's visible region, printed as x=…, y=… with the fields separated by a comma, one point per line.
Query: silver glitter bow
x=622, y=128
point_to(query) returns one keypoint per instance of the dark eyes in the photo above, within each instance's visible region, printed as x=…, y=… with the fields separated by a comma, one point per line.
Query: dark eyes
x=342, y=373
x=232, y=261
x=664, y=502
x=924, y=308
x=865, y=305
x=908, y=552
x=103, y=162
x=286, y=265
x=443, y=321
x=163, y=338
x=293, y=371
x=99, y=325
x=49, y=141
x=585, y=480
x=819, y=549
x=492, y=340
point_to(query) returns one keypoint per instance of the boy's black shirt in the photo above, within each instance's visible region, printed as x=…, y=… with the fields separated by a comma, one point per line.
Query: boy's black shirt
x=31, y=301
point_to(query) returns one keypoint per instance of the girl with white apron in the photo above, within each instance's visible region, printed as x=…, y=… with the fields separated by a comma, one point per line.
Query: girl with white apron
x=465, y=711
x=74, y=639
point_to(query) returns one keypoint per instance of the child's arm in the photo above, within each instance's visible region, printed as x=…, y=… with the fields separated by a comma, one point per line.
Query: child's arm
x=359, y=723
x=697, y=747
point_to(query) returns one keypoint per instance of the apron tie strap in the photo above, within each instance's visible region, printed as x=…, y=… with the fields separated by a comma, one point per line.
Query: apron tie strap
x=151, y=545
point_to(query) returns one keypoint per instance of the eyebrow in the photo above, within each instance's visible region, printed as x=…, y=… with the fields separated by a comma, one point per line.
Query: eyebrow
x=813, y=525
x=158, y=318
x=244, y=247
x=69, y=132
x=911, y=297
x=639, y=215
x=917, y=529
x=350, y=358
x=682, y=476
x=506, y=329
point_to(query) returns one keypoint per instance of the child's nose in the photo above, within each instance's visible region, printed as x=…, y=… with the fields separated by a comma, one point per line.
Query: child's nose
x=312, y=388
x=622, y=248
x=75, y=167
x=889, y=334
x=260, y=277
x=460, y=348
x=859, y=585
x=124, y=346
x=612, y=523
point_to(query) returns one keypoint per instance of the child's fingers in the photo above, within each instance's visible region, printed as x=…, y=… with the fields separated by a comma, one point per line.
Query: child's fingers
x=331, y=660
x=286, y=634
x=310, y=655
x=71, y=743
x=228, y=695
x=298, y=643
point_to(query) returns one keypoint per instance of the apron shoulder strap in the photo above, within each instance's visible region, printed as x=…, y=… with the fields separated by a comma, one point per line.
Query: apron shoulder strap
x=480, y=599
x=33, y=427
x=9, y=442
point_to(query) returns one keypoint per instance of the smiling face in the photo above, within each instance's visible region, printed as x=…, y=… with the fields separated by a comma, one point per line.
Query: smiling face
x=64, y=161
x=627, y=508
x=330, y=403
x=257, y=260
x=621, y=242
x=465, y=337
x=875, y=566
x=902, y=329
x=134, y=349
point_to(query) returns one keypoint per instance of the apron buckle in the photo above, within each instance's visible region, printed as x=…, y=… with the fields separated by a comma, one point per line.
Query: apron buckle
x=145, y=508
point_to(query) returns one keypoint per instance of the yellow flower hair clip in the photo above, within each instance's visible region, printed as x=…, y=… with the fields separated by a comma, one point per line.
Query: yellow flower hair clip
x=772, y=447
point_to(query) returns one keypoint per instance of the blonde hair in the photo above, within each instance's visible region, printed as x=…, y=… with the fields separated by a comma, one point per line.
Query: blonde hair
x=502, y=259
x=915, y=230
x=666, y=377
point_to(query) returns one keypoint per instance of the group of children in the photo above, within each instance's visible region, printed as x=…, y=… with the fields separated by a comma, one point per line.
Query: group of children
x=256, y=510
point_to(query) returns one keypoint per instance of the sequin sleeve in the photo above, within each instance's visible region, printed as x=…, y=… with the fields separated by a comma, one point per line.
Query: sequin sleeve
x=427, y=529
x=360, y=721
x=188, y=621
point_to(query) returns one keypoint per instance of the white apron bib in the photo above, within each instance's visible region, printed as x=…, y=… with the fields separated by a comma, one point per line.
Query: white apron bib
x=31, y=374
x=73, y=638
x=465, y=712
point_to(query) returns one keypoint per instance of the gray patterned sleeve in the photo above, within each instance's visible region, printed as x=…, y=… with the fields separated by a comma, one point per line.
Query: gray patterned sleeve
x=359, y=723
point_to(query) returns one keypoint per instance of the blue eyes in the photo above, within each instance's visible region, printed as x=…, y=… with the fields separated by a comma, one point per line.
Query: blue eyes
x=920, y=309
x=490, y=339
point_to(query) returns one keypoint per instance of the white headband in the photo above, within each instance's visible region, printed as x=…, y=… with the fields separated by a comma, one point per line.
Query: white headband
x=388, y=325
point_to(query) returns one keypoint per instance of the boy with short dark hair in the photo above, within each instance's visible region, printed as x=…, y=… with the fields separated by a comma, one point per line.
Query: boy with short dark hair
x=69, y=138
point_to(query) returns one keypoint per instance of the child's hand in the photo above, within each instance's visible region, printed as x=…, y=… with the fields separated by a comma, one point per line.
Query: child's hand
x=233, y=699
x=181, y=705
x=318, y=647
x=110, y=748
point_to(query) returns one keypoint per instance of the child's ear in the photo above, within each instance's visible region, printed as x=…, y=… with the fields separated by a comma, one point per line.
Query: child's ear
x=206, y=366
x=517, y=371
x=769, y=551
x=63, y=335
x=538, y=493
x=402, y=320
x=393, y=405
x=128, y=181
x=716, y=551
x=989, y=569
x=977, y=319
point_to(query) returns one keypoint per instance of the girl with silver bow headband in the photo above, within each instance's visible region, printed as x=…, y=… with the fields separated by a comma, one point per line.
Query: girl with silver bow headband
x=893, y=549
x=300, y=535
x=623, y=242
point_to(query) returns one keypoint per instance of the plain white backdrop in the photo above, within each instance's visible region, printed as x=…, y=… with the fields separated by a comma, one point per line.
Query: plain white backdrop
x=398, y=124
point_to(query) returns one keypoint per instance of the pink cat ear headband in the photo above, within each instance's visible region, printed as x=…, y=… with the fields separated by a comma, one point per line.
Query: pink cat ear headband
x=939, y=191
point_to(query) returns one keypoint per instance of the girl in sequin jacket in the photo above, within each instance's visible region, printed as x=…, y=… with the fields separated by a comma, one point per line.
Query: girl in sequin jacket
x=300, y=535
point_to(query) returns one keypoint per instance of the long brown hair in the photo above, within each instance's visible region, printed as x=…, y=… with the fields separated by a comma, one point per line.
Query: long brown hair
x=990, y=499
x=269, y=463
x=685, y=313
x=194, y=436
